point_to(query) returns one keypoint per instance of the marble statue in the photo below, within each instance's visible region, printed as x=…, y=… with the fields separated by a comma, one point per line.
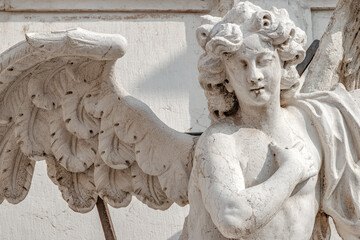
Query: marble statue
x=274, y=164
x=257, y=168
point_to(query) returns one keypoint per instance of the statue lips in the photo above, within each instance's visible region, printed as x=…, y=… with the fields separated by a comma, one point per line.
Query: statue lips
x=258, y=90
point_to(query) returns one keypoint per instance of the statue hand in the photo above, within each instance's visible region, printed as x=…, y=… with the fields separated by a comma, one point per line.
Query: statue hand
x=296, y=156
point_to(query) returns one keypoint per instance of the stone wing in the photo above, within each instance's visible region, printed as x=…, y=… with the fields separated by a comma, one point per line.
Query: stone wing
x=338, y=56
x=60, y=101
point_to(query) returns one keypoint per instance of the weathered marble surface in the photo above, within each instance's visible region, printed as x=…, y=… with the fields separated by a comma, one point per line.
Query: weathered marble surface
x=62, y=102
x=274, y=161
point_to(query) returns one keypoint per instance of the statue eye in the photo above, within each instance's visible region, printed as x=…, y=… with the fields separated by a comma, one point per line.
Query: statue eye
x=265, y=61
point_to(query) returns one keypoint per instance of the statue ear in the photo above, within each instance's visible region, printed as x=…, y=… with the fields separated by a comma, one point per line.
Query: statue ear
x=228, y=86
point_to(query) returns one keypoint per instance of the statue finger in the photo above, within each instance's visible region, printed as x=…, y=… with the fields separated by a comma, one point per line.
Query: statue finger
x=313, y=171
x=275, y=148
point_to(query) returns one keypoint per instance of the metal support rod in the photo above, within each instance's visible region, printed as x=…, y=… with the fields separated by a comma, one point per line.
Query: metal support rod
x=310, y=53
x=105, y=219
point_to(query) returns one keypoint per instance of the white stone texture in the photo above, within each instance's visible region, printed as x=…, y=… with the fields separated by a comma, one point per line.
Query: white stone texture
x=231, y=193
x=164, y=77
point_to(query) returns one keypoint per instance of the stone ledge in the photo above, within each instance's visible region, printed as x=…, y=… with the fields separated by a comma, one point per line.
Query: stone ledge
x=107, y=6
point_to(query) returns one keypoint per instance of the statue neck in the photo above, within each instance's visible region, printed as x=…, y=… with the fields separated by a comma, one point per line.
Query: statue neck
x=269, y=118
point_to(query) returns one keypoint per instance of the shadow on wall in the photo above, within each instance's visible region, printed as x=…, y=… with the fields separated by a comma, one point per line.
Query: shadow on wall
x=178, y=99
x=168, y=82
x=175, y=236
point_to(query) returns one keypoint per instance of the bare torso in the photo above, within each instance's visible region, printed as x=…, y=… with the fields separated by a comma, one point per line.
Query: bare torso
x=295, y=219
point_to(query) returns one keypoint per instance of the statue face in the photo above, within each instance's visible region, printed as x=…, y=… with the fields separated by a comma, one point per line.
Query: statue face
x=254, y=72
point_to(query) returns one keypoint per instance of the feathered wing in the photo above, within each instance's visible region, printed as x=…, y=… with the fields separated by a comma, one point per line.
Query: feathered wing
x=61, y=102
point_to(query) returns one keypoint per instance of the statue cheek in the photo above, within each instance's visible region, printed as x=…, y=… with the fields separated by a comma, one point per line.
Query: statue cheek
x=273, y=76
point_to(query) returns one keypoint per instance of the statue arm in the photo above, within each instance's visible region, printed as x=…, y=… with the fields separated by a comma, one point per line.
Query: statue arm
x=238, y=211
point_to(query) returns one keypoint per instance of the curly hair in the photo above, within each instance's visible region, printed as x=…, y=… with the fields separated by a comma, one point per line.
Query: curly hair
x=221, y=36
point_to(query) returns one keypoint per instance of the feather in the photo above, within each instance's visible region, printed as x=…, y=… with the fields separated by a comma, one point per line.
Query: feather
x=32, y=131
x=42, y=90
x=113, y=151
x=16, y=170
x=113, y=185
x=12, y=99
x=77, y=119
x=148, y=189
x=74, y=154
x=78, y=189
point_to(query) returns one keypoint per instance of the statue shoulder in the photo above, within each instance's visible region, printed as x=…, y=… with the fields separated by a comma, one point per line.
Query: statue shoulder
x=218, y=135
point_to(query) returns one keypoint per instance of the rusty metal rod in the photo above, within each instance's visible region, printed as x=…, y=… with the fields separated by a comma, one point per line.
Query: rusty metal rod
x=105, y=219
x=310, y=53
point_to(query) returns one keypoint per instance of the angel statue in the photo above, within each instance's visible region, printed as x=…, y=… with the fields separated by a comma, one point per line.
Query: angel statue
x=274, y=164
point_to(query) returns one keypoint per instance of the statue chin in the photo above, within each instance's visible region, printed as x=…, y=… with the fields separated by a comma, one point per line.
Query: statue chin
x=258, y=98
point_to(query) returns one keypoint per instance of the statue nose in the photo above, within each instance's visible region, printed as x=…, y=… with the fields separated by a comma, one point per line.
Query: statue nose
x=255, y=75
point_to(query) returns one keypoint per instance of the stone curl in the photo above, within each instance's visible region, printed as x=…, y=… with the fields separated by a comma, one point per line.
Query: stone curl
x=223, y=36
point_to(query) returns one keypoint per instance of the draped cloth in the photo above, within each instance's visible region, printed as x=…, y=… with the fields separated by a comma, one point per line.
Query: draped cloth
x=336, y=118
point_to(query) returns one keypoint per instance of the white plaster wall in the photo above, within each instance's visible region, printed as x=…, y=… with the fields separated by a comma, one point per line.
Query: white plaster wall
x=160, y=68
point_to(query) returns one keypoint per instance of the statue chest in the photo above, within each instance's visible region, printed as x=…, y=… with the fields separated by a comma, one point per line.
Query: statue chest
x=254, y=155
x=257, y=159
